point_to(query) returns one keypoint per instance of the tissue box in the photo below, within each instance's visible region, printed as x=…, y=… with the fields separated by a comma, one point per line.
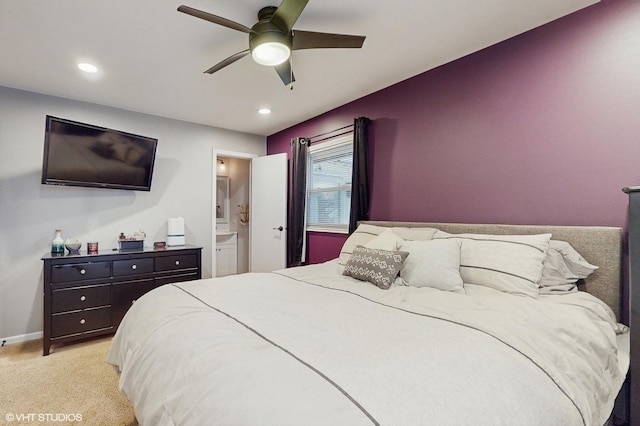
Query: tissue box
x=131, y=244
x=175, y=231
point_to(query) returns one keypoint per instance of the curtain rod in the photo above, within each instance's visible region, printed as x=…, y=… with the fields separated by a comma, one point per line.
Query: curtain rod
x=333, y=136
x=332, y=131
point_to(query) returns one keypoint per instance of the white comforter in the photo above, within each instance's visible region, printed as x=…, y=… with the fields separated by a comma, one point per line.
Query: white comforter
x=307, y=346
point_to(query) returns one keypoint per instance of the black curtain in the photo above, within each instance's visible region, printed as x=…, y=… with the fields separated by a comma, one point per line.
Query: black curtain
x=296, y=228
x=360, y=191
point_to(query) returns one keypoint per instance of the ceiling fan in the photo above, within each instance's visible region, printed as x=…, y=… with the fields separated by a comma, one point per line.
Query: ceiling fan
x=272, y=38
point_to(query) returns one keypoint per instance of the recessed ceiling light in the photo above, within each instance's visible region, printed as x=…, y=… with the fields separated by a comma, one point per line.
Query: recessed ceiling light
x=264, y=111
x=83, y=66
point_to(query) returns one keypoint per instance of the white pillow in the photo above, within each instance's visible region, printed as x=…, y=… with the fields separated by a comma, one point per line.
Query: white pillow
x=365, y=233
x=432, y=263
x=387, y=240
x=361, y=236
x=574, y=261
x=508, y=263
x=563, y=267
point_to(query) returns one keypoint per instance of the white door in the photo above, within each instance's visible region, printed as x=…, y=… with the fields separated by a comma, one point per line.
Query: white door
x=268, y=213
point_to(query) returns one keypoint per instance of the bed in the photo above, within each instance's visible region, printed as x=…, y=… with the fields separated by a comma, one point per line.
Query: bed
x=445, y=332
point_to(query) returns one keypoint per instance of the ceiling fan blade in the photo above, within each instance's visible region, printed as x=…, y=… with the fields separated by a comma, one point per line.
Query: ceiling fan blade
x=231, y=59
x=288, y=13
x=313, y=40
x=285, y=72
x=213, y=18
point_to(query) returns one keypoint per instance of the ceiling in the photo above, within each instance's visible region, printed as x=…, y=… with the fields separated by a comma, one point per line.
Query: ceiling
x=152, y=58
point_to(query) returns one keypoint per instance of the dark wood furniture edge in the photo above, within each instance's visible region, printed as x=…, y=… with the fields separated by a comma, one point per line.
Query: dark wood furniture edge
x=634, y=303
x=162, y=277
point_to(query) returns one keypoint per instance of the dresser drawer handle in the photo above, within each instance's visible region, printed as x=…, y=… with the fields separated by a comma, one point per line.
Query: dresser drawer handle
x=82, y=272
x=134, y=267
x=83, y=298
x=82, y=321
x=177, y=262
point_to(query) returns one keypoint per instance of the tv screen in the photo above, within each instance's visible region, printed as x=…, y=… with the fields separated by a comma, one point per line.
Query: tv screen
x=81, y=154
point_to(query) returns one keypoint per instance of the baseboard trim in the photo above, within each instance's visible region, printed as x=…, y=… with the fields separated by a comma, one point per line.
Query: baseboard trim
x=20, y=338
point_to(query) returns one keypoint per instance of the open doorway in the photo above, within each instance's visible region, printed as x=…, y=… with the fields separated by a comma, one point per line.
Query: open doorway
x=265, y=179
x=231, y=199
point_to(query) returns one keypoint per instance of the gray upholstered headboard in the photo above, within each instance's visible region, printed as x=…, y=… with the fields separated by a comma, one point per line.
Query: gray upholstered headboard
x=599, y=245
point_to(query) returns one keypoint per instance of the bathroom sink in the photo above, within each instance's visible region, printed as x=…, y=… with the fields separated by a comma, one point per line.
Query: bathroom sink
x=222, y=236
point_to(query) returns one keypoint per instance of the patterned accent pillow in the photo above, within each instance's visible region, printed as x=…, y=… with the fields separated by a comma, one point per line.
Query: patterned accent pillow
x=379, y=267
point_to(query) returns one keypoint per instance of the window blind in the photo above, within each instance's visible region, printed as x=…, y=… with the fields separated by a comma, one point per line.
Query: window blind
x=329, y=172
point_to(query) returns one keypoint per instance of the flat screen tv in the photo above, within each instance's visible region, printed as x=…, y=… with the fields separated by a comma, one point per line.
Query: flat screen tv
x=80, y=154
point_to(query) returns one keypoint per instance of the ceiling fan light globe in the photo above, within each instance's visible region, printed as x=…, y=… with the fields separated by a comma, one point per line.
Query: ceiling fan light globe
x=270, y=53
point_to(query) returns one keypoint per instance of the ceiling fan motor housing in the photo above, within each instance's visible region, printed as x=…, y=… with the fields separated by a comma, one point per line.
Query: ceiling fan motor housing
x=265, y=31
x=266, y=13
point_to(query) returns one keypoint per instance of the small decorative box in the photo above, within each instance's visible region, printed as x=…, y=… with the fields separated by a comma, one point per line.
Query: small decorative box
x=131, y=244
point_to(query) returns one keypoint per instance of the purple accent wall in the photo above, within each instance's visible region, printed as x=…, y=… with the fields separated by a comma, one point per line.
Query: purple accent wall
x=543, y=128
x=323, y=246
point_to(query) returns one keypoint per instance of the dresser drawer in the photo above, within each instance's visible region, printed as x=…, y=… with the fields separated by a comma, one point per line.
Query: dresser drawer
x=176, y=278
x=80, y=298
x=80, y=271
x=125, y=294
x=80, y=321
x=178, y=261
x=143, y=265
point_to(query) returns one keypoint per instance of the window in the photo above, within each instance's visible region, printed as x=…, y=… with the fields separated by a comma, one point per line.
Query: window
x=329, y=169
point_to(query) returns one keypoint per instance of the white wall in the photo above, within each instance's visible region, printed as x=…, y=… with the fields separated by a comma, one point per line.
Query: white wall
x=30, y=211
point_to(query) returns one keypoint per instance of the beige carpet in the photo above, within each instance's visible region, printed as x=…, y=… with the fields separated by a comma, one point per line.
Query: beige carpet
x=73, y=385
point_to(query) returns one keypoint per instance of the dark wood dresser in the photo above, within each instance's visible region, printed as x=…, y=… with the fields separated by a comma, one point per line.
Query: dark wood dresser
x=87, y=295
